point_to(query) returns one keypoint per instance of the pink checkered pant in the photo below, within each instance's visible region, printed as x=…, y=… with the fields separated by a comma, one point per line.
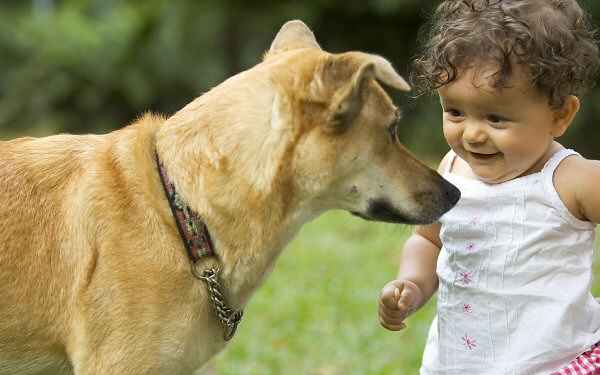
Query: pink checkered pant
x=586, y=364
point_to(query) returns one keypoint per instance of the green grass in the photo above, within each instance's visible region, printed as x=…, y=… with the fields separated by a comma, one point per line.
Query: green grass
x=317, y=312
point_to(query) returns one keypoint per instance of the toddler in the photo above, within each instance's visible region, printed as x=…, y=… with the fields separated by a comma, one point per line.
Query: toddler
x=512, y=262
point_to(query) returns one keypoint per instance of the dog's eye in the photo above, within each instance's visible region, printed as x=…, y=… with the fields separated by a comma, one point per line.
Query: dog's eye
x=393, y=131
x=393, y=127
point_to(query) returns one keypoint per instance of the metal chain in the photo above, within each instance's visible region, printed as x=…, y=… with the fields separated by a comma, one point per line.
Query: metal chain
x=198, y=246
x=228, y=317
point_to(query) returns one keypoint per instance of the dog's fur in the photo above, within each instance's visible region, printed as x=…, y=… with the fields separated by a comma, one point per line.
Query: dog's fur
x=93, y=275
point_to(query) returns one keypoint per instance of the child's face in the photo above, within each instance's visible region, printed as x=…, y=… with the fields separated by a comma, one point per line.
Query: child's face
x=501, y=133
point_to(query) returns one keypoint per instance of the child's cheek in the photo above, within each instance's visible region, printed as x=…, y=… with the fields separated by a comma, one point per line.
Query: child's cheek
x=452, y=134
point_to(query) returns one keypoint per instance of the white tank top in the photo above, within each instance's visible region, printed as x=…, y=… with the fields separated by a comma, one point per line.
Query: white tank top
x=515, y=275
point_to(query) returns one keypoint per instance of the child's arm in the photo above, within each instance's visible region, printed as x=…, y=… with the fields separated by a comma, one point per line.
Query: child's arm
x=577, y=181
x=419, y=260
x=417, y=280
x=588, y=195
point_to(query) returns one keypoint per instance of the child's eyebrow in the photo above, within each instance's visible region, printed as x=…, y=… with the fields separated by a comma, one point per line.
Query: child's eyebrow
x=487, y=106
x=446, y=102
x=442, y=101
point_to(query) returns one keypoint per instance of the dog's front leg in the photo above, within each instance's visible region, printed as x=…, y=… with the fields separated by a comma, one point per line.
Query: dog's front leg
x=127, y=352
x=140, y=349
x=140, y=365
x=118, y=361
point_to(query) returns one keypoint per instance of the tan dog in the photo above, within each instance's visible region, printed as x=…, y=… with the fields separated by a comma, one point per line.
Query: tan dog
x=94, y=278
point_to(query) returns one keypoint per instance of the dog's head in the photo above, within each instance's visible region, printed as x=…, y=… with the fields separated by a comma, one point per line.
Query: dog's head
x=347, y=153
x=311, y=128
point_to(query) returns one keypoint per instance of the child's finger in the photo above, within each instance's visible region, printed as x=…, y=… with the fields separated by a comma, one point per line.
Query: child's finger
x=392, y=327
x=390, y=296
x=391, y=316
x=406, y=300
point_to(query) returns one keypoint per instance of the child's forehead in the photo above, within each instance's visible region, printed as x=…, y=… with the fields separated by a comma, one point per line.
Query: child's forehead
x=479, y=83
x=490, y=74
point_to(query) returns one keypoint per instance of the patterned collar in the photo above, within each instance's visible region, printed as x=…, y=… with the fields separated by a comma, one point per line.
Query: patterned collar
x=198, y=244
x=192, y=229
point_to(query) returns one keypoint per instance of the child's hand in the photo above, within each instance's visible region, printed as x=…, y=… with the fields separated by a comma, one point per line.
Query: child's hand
x=398, y=299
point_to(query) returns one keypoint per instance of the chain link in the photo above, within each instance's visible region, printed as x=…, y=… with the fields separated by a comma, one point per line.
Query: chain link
x=228, y=317
x=197, y=242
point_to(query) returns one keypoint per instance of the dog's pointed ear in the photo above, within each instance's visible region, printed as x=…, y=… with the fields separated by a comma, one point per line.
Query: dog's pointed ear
x=293, y=35
x=348, y=101
x=385, y=72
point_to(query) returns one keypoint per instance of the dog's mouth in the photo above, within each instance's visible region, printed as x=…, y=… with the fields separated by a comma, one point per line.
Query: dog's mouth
x=362, y=216
x=382, y=210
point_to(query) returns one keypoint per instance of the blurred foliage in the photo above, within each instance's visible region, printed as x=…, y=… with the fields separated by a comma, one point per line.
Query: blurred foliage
x=95, y=65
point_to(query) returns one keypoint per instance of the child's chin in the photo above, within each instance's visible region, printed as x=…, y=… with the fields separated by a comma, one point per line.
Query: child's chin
x=489, y=177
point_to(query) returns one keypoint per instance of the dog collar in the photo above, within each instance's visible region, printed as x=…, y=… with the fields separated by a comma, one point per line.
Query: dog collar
x=198, y=244
x=192, y=229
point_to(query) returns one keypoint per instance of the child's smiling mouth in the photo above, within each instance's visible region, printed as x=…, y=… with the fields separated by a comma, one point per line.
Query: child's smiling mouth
x=479, y=156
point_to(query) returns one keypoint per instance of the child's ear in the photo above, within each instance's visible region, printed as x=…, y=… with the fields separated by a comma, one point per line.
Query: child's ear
x=564, y=116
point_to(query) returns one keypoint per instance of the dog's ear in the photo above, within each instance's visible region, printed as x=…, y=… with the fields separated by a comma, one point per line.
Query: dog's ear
x=348, y=100
x=385, y=72
x=293, y=35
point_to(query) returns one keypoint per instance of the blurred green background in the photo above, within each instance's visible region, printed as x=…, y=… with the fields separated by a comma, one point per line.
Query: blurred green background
x=84, y=66
x=95, y=65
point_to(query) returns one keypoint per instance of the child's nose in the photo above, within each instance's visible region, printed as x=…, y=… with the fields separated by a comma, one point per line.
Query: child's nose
x=474, y=132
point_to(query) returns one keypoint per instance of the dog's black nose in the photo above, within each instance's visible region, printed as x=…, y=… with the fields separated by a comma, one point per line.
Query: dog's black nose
x=451, y=193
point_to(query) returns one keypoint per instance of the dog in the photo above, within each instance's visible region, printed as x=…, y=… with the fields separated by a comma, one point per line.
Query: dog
x=134, y=252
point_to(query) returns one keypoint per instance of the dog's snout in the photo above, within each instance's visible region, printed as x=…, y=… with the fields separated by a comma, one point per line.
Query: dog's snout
x=450, y=192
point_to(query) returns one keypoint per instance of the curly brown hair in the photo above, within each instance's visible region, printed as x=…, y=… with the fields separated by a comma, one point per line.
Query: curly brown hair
x=553, y=39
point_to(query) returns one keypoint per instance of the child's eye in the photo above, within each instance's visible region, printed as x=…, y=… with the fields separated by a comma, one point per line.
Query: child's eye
x=453, y=113
x=496, y=120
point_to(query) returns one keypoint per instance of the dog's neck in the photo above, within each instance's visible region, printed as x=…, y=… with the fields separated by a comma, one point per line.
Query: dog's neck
x=226, y=171
x=247, y=238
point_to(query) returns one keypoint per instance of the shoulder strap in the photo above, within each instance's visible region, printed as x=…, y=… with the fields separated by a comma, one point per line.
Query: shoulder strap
x=448, y=167
x=552, y=194
x=555, y=160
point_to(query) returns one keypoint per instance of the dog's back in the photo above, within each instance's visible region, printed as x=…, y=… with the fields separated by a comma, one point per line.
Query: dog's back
x=35, y=174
